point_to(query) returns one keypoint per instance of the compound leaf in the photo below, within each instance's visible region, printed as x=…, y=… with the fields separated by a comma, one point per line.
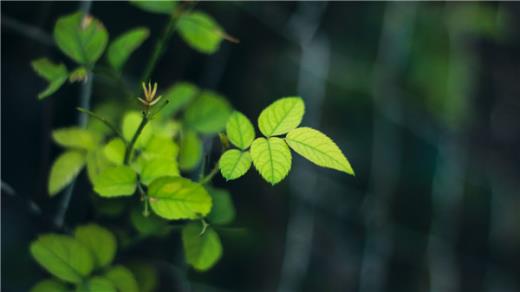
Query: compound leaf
x=281, y=116
x=115, y=181
x=100, y=241
x=239, y=130
x=55, y=74
x=81, y=37
x=202, y=251
x=62, y=256
x=318, y=148
x=64, y=169
x=124, y=45
x=234, y=164
x=178, y=198
x=272, y=158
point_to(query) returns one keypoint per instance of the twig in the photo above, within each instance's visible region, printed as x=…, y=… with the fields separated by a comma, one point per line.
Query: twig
x=104, y=121
x=206, y=179
x=28, y=31
x=130, y=146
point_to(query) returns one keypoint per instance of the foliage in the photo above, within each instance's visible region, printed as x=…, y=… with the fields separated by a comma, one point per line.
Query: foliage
x=153, y=154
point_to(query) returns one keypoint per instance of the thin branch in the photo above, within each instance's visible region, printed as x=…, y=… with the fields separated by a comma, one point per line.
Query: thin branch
x=104, y=121
x=29, y=31
x=206, y=179
x=130, y=146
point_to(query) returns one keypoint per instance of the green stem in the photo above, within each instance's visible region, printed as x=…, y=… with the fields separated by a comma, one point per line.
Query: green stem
x=130, y=146
x=104, y=121
x=210, y=175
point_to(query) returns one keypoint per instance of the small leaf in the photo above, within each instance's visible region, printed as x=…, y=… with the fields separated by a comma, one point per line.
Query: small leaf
x=124, y=45
x=64, y=169
x=115, y=151
x=150, y=225
x=131, y=122
x=74, y=137
x=240, y=131
x=122, y=279
x=272, y=158
x=49, y=285
x=158, y=167
x=318, y=148
x=163, y=6
x=223, y=211
x=145, y=274
x=96, y=284
x=208, y=113
x=234, y=164
x=281, y=116
x=100, y=241
x=96, y=163
x=178, y=198
x=62, y=256
x=179, y=95
x=79, y=74
x=115, y=181
x=191, y=151
x=81, y=37
x=201, y=251
x=161, y=147
x=55, y=74
x=200, y=31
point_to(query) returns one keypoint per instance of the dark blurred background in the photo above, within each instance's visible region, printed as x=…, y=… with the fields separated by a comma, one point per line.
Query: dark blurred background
x=424, y=99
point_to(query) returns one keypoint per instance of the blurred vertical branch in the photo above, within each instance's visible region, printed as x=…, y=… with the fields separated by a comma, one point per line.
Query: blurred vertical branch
x=84, y=101
x=394, y=46
x=314, y=58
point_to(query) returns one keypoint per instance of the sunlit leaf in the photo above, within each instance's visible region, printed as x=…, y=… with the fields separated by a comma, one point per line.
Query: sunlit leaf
x=234, y=163
x=281, y=116
x=55, y=74
x=179, y=96
x=115, y=181
x=200, y=31
x=240, y=131
x=100, y=241
x=162, y=6
x=191, y=151
x=64, y=169
x=202, y=251
x=223, y=210
x=158, y=167
x=96, y=162
x=178, y=198
x=124, y=45
x=122, y=279
x=161, y=147
x=114, y=151
x=81, y=37
x=62, y=256
x=75, y=137
x=318, y=148
x=272, y=158
x=131, y=122
x=208, y=113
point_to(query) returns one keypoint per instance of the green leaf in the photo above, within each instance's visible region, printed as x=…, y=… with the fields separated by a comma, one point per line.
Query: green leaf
x=64, y=169
x=150, y=225
x=74, y=137
x=96, y=284
x=159, y=167
x=272, y=158
x=55, y=74
x=178, y=198
x=81, y=37
x=115, y=181
x=318, y=148
x=131, y=122
x=200, y=31
x=223, y=211
x=100, y=241
x=201, y=251
x=49, y=285
x=96, y=163
x=79, y=74
x=115, y=151
x=208, y=114
x=122, y=278
x=240, y=131
x=145, y=274
x=163, y=6
x=161, y=147
x=281, y=116
x=191, y=151
x=234, y=164
x=179, y=96
x=124, y=45
x=62, y=256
